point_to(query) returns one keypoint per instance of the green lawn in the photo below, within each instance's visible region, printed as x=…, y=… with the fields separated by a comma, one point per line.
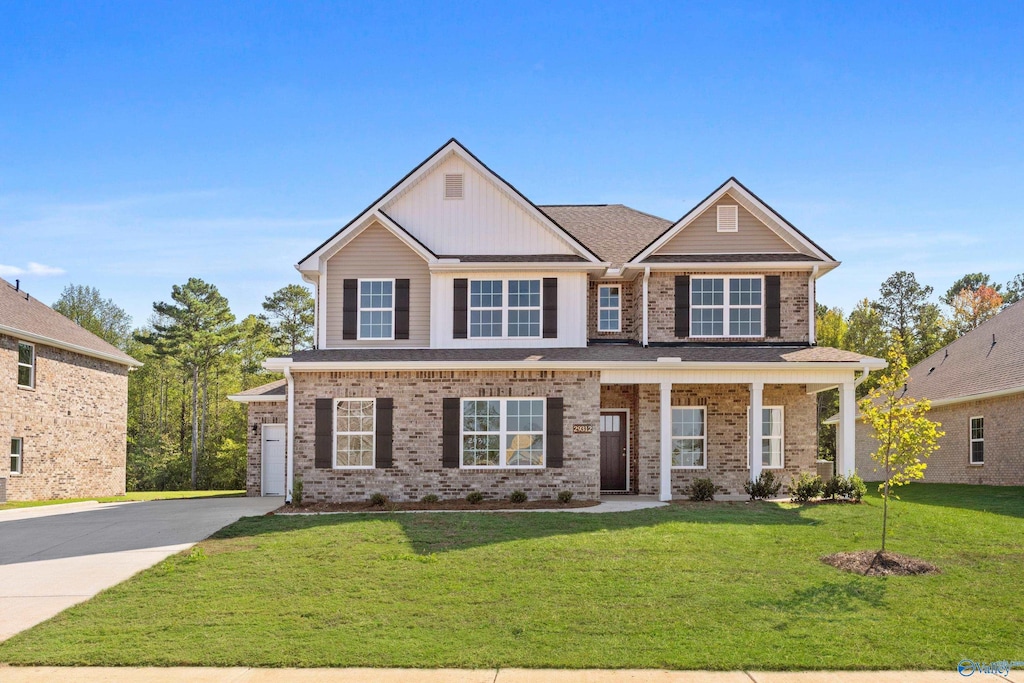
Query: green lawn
x=139, y=495
x=718, y=586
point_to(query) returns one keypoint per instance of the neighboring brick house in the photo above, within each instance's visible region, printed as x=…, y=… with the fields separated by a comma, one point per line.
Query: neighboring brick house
x=63, y=404
x=468, y=339
x=976, y=388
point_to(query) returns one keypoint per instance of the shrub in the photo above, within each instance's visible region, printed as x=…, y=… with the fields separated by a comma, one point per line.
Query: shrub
x=517, y=496
x=834, y=486
x=766, y=486
x=855, y=488
x=701, y=489
x=430, y=498
x=297, y=491
x=378, y=500
x=805, y=487
x=565, y=497
x=474, y=497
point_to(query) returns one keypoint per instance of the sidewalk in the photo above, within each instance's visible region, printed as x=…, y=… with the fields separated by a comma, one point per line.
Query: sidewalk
x=244, y=675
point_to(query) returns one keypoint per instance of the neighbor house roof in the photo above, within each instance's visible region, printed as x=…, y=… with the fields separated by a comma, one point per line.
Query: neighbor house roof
x=26, y=318
x=612, y=231
x=987, y=360
x=272, y=391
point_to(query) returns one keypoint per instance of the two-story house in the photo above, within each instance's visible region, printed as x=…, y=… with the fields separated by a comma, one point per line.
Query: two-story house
x=470, y=340
x=63, y=404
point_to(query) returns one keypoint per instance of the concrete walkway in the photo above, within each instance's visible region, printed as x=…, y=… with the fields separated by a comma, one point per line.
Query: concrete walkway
x=54, y=556
x=245, y=675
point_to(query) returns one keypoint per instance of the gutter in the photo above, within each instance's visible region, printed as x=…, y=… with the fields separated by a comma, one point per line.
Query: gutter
x=811, y=317
x=647, y=276
x=66, y=346
x=290, y=442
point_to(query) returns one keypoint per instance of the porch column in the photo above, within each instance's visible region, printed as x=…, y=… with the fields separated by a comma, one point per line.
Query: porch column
x=846, y=430
x=665, y=490
x=754, y=429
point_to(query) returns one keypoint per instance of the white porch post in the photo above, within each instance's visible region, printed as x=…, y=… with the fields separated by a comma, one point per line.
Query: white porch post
x=846, y=430
x=754, y=429
x=665, y=490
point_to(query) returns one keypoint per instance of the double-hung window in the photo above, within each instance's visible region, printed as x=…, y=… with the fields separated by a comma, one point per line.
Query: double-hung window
x=726, y=307
x=26, y=365
x=505, y=432
x=354, y=433
x=609, y=308
x=16, y=446
x=689, y=438
x=376, y=309
x=772, y=437
x=977, y=441
x=491, y=314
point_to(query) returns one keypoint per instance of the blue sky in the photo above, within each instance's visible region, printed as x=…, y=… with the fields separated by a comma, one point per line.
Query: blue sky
x=144, y=143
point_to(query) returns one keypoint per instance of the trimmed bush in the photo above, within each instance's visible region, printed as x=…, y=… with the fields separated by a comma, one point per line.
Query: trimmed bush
x=701, y=489
x=430, y=498
x=565, y=497
x=766, y=486
x=834, y=486
x=517, y=496
x=806, y=487
x=297, y=491
x=475, y=497
x=855, y=488
x=378, y=500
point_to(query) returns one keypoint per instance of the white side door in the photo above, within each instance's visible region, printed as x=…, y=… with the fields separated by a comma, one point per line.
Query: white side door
x=273, y=460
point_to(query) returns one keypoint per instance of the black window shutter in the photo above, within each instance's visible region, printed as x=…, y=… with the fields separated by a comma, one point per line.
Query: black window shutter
x=350, y=308
x=773, y=306
x=384, y=435
x=555, y=412
x=460, y=310
x=402, y=309
x=550, y=303
x=324, y=433
x=450, y=432
x=682, y=306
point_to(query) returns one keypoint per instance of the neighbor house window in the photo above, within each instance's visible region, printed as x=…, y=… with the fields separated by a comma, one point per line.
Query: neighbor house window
x=26, y=365
x=16, y=444
x=977, y=441
x=609, y=308
x=376, y=309
x=772, y=437
x=689, y=438
x=726, y=307
x=507, y=432
x=353, y=432
x=489, y=310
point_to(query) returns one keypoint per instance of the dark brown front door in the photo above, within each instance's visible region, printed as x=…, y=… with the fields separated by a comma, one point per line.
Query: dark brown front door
x=613, y=451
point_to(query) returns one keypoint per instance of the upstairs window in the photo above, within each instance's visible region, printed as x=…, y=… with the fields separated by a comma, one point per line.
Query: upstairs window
x=376, y=309
x=16, y=444
x=977, y=441
x=491, y=314
x=728, y=219
x=26, y=365
x=727, y=307
x=609, y=308
x=486, y=306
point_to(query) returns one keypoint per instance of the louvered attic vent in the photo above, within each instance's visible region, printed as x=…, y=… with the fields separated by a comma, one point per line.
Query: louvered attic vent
x=453, y=186
x=728, y=219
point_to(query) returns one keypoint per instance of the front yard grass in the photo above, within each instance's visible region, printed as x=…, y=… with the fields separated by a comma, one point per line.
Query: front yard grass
x=692, y=586
x=131, y=496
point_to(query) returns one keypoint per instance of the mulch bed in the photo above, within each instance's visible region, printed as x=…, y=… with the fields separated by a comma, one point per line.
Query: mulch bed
x=458, y=504
x=874, y=563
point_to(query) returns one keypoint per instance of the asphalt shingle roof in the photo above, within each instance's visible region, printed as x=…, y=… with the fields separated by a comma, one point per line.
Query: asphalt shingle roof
x=612, y=231
x=275, y=388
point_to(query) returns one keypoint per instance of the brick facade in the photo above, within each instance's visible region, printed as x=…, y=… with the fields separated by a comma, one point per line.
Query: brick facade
x=630, y=303
x=73, y=424
x=1004, y=444
x=260, y=413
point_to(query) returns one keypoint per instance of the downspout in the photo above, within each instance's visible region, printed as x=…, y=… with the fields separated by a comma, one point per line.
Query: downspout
x=290, y=441
x=812, y=305
x=647, y=276
x=860, y=380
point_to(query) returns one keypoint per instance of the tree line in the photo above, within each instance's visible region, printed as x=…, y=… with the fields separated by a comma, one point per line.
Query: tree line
x=183, y=432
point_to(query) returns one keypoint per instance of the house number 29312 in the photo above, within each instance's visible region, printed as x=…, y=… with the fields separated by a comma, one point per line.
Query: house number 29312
x=583, y=429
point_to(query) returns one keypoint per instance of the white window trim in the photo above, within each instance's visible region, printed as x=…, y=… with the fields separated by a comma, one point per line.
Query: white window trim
x=971, y=441
x=503, y=432
x=736, y=216
x=504, y=308
x=617, y=309
x=704, y=438
x=21, y=455
x=336, y=433
x=31, y=366
x=726, y=307
x=360, y=309
x=781, y=438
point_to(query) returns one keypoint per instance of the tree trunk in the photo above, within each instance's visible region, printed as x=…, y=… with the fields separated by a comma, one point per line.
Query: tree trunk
x=195, y=425
x=205, y=415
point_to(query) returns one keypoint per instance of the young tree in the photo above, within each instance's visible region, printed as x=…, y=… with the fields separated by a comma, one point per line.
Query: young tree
x=972, y=307
x=971, y=282
x=102, y=317
x=904, y=434
x=290, y=310
x=902, y=298
x=830, y=327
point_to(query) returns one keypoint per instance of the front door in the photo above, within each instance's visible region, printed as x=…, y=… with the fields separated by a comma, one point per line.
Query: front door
x=273, y=460
x=613, y=450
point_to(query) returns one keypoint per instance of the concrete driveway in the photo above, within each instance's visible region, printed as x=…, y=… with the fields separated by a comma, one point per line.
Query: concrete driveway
x=53, y=557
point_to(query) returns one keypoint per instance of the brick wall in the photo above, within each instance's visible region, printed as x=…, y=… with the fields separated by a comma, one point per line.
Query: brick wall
x=726, y=414
x=417, y=467
x=1004, y=445
x=73, y=424
x=661, y=321
x=260, y=413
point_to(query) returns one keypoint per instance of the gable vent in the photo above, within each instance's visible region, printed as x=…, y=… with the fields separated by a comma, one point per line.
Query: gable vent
x=728, y=219
x=453, y=186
